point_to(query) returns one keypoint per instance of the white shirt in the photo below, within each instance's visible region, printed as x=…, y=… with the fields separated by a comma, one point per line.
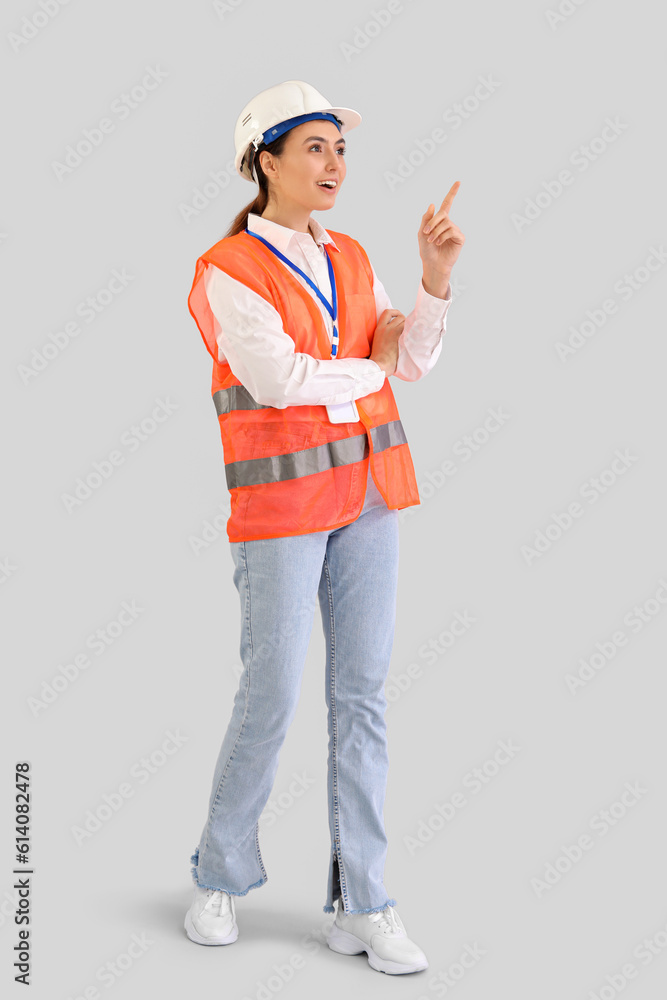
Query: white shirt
x=262, y=356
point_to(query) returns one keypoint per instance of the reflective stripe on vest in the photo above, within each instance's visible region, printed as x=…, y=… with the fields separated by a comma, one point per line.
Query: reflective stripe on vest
x=236, y=397
x=292, y=465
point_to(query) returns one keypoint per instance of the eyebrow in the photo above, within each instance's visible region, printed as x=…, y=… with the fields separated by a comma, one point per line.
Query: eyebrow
x=319, y=137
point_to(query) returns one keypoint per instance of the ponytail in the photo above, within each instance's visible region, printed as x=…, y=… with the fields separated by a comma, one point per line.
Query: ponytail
x=241, y=220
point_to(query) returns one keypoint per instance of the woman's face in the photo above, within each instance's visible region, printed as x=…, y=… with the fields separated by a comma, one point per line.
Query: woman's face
x=313, y=152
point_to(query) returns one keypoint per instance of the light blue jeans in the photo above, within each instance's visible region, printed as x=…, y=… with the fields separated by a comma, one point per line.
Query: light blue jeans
x=352, y=572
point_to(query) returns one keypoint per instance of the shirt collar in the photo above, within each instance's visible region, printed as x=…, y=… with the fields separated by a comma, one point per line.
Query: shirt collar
x=281, y=237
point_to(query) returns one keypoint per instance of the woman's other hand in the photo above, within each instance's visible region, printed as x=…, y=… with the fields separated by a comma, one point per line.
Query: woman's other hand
x=385, y=340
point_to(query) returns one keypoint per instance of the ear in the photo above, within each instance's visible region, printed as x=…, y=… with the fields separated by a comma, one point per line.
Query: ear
x=266, y=165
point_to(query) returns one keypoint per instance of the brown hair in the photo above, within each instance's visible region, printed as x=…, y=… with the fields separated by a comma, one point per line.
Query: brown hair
x=259, y=204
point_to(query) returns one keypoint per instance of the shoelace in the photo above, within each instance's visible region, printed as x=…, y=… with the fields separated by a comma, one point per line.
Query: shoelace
x=216, y=901
x=386, y=920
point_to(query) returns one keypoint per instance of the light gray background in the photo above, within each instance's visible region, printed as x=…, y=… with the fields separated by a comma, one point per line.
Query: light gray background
x=516, y=295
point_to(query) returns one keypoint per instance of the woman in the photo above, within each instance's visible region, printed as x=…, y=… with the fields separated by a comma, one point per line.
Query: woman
x=303, y=340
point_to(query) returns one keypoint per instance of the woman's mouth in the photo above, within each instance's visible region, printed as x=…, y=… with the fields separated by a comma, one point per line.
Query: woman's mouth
x=330, y=186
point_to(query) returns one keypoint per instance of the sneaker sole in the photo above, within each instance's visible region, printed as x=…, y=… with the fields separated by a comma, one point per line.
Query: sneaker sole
x=198, y=939
x=349, y=944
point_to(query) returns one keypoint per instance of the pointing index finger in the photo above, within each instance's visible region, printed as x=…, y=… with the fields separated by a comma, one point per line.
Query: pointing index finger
x=449, y=197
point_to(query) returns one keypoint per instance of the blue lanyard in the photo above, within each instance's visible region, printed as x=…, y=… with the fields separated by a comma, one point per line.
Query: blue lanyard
x=332, y=308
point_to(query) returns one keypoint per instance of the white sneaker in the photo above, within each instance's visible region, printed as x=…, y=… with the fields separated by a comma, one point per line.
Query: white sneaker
x=212, y=918
x=381, y=935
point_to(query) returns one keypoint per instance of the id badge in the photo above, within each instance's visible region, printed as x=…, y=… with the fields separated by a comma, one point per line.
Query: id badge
x=343, y=413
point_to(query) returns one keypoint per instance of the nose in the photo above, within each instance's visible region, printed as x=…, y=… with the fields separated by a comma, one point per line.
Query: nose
x=333, y=160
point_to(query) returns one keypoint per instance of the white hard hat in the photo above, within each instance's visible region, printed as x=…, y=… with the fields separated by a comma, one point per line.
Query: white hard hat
x=276, y=106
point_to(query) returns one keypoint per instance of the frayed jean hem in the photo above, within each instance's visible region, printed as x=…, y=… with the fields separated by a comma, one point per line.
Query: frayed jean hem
x=219, y=888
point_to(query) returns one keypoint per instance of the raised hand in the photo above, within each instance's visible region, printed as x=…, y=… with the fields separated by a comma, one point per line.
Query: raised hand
x=440, y=241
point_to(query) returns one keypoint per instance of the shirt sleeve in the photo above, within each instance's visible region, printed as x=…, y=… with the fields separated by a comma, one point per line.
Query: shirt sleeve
x=420, y=343
x=262, y=356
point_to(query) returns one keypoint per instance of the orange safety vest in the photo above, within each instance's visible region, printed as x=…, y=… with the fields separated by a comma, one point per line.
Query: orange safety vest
x=290, y=471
